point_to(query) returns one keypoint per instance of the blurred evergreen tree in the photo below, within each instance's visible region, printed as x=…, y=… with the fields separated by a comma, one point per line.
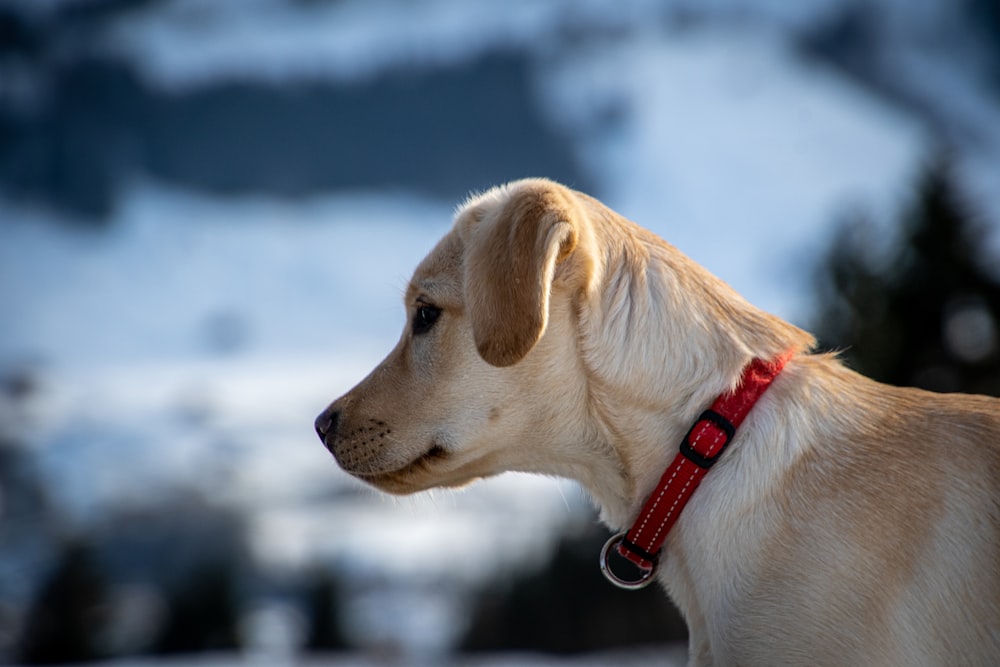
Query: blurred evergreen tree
x=203, y=612
x=323, y=597
x=568, y=607
x=924, y=312
x=66, y=620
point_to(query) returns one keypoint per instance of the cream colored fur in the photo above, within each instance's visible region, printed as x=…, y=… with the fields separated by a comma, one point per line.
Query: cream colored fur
x=850, y=522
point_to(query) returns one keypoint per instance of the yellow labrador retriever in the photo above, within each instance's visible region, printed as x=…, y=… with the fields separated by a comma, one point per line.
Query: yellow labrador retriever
x=848, y=522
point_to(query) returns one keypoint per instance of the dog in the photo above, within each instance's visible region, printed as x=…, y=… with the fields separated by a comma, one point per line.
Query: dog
x=848, y=522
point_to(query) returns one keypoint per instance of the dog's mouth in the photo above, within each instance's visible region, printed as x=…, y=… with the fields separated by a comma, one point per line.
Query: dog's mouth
x=399, y=480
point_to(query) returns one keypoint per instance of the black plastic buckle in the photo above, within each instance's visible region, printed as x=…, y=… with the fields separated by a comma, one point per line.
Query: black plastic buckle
x=723, y=424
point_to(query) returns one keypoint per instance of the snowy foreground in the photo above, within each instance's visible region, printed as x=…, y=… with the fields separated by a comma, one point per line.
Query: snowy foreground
x=661, y=656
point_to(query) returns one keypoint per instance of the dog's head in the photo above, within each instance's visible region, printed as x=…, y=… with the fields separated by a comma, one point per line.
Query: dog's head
x=491, y=314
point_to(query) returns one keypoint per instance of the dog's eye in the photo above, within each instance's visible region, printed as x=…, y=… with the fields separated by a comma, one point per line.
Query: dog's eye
x=424, y=318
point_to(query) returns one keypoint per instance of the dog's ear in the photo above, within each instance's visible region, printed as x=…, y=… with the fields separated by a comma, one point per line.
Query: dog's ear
x=513, y=250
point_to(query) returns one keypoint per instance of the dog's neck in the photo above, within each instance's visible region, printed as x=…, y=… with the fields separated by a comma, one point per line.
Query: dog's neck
x=648, y=394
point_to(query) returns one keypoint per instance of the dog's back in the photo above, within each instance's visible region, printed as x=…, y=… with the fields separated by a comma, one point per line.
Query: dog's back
x=882, y=538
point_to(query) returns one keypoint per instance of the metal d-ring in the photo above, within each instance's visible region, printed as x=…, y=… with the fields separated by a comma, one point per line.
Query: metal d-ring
x=609, y=574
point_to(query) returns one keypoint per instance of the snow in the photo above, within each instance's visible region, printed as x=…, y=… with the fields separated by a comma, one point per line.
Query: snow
x=287, y=275
x=789, y=144
x=349, y=40
x=666, y=656
x=357, y=38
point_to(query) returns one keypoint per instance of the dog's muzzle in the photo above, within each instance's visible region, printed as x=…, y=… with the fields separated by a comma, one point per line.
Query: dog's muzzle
x=326, y=427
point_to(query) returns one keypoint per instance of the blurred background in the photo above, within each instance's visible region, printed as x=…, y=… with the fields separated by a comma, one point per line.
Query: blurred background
x=209, y=210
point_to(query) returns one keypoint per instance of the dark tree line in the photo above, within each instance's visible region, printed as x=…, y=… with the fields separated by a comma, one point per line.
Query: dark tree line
x=566, y=606
x=191, y=557
x=72, y=614
x=925, y=310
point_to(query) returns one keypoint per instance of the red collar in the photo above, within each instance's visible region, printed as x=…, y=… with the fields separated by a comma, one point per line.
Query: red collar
x=699, y=450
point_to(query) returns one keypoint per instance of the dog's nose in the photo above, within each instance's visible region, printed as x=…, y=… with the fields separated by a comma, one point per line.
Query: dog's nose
x=326, y=423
